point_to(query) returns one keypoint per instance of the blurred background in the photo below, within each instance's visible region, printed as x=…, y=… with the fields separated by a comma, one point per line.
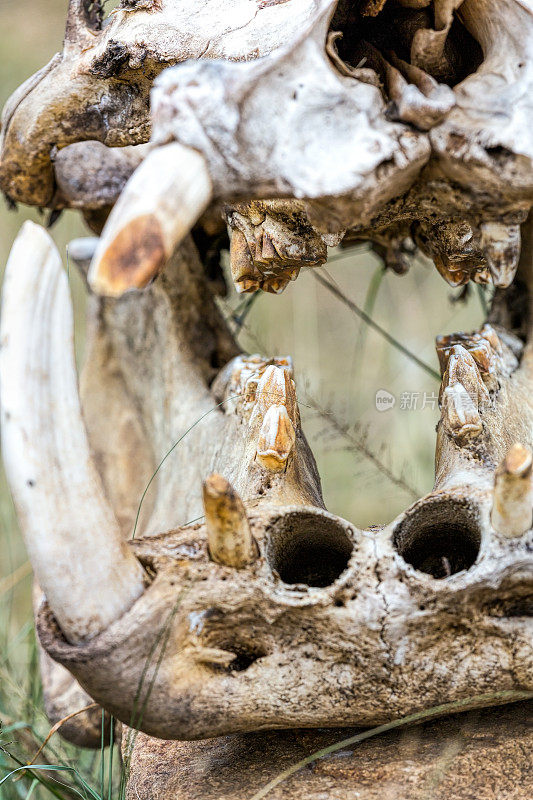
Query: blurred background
x=374, y=459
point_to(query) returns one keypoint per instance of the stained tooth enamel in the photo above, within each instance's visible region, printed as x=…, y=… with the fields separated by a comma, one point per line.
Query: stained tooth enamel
x=462, y=368
x=501, y=246
x=228, y=531
x=512, y=509
x=157, y=208
x=459, y=414
x=276, y=439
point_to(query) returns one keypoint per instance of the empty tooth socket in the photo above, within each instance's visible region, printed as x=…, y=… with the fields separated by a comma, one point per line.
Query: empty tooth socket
x=440, y=537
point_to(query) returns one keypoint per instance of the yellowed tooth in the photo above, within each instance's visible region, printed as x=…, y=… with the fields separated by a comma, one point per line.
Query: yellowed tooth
x=460, y=416
x=276, y=439
x=462, y=368
x=229, y=537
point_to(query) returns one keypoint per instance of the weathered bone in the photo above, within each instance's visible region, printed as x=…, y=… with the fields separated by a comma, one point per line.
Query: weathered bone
x=223, y=111
x=238, y=634
x=98, y=87
x=88, y=575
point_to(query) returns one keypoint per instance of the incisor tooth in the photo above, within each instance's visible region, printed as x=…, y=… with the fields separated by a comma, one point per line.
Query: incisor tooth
x=229, y=537
x=512, y=509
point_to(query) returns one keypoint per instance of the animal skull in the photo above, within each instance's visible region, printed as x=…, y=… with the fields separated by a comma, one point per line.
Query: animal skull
x=272, y=612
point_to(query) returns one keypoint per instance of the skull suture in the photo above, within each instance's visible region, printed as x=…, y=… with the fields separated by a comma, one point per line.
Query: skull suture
x=272, y=613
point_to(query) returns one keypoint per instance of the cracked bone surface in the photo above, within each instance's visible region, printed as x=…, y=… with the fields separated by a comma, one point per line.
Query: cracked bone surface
x=433, y=587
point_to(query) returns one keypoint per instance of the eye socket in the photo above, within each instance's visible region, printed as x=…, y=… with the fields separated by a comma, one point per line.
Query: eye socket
x=308, y=548
x=440, y=537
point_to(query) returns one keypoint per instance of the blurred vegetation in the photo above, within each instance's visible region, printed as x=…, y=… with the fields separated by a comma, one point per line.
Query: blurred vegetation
x=371, y=461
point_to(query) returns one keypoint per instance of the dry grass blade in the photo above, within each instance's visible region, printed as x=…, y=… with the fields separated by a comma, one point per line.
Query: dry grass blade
x=357, y=443
x=412, y=719
x=58, y=725
x=10, y=581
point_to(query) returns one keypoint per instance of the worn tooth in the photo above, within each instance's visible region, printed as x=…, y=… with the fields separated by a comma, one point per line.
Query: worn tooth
x=462, y=369
x=512, y=509
x=275, y=285
x=481, y=352
x=228, y=532
x=488, y=333
x=501, y=247
x=247, y=286
x=276, y=439
x=246, y=276
x=459, y=414
x=276, y=387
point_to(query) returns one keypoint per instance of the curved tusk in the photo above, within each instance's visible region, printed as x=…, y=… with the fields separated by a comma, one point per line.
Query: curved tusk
x=85, y=569
x=160, y=203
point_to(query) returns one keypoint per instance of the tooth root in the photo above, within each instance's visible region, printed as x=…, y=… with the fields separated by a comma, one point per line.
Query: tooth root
x=229, y=537
x=160, y=203
x=459, y=415
x=501, y=247
x=276, y=439
x=512, y=509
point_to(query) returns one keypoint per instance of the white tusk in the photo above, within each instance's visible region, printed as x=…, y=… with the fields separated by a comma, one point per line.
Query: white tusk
x=87, y=572
x=160, y=203
x=512, y=508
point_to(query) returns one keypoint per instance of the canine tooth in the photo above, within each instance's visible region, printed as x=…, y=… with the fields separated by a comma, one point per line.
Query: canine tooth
x=157, y=208
x=512, y=509
x=276, y=439
x=228, y=532
x=501, y=246
x=459, y=414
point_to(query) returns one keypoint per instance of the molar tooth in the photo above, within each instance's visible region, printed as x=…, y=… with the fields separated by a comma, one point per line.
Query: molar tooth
x=276, y=387
x=230, y=540
x=512, y=509
x=276, y=439
x=501, y=247
x=462, y=369
x=459, y=414
x=246, y=276
x=488, y=333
